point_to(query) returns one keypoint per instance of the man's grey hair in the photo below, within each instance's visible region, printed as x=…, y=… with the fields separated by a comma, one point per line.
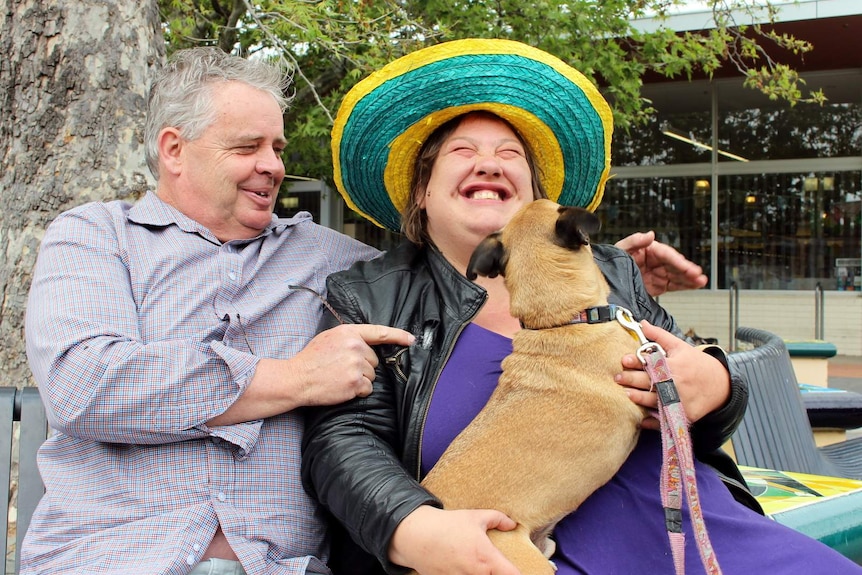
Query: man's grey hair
x=182, y=93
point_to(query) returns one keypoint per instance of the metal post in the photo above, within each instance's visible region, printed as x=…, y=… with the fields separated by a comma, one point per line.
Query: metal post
x=818, y=311
x=734, y=315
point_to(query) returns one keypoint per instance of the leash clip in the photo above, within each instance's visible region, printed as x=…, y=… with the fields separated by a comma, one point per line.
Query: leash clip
x=626, y=319
x=647, y=347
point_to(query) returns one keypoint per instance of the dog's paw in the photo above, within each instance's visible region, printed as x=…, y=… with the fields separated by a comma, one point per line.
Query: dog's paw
x=548, y=547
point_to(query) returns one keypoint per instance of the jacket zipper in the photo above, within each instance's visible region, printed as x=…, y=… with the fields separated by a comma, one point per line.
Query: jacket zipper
x=418, y=470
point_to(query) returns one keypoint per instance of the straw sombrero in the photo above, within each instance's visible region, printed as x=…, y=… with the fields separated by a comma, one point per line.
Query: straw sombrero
x=384, y=120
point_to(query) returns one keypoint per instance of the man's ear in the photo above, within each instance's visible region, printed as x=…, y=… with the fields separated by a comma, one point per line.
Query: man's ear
x=170, y=145
x=488, y=259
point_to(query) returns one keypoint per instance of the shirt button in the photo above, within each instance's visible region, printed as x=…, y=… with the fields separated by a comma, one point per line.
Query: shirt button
x=191, y=560
x=196, y=547
x=231, y=275
x=221, y=496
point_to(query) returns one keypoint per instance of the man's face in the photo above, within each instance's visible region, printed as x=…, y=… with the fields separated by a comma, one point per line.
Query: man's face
x=228, y=178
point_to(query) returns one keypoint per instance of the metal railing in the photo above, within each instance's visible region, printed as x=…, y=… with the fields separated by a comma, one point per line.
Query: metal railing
x=733, y=307
x=733, y=320
x=818, y=311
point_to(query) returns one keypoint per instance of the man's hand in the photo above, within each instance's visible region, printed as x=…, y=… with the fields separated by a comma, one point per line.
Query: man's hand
x=335, y=366
x=663, y=268
x=339, y=363
x=439, y=542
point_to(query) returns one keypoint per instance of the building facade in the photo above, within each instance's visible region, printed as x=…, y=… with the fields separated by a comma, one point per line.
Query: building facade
x=765, y=196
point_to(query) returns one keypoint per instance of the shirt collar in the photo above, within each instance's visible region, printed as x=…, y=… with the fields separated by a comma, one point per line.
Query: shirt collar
x=151, y=210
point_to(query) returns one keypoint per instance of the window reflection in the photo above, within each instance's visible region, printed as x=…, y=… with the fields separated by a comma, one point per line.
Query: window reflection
x=787, y=203
x=786, y=231
x=775, y=231
x=652, y=145
x=804, y=131
x=677, y=209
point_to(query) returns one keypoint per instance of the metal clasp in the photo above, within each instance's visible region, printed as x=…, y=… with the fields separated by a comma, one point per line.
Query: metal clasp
x=627, y=320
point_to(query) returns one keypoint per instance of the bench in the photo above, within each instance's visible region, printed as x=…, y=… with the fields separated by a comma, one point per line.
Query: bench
x=834, y=521
x=775, y=432
x=24, y=407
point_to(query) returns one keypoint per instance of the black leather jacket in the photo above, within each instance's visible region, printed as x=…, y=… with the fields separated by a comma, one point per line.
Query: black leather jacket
x=361, y=459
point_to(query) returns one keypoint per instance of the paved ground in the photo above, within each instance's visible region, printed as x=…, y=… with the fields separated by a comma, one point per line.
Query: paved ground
x=845, y=372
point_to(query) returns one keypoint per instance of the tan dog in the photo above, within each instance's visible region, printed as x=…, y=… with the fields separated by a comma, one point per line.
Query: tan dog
x=557, y=427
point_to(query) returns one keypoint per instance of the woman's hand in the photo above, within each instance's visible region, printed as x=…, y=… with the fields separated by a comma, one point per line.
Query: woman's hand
x=436, y=541
x=701, y=380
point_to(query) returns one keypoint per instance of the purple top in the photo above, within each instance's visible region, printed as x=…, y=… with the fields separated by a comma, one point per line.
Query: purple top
x=626, y=513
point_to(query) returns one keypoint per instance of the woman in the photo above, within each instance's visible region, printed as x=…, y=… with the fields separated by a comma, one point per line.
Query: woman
x=468, y=156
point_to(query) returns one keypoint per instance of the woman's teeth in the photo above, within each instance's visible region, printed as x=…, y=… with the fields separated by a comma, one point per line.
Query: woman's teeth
x=485, y=195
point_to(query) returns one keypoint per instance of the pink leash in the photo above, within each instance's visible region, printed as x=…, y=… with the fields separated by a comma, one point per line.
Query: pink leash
x=677, y=454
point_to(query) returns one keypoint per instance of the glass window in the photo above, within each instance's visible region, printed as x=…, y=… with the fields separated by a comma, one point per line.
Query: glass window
x=677, y=209
x=751, y=127
x=358, y=227
x=680, y=138
x=775, y=231
x=679, y=132
x=757, y=128
x=788, y=231
x=804, y=131
x=291, y=202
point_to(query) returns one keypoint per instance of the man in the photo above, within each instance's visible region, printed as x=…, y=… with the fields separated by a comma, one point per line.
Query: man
x=172, y=344
x=173, y=340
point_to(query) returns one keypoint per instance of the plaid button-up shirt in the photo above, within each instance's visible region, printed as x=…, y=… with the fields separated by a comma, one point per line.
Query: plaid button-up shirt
x=141, y=327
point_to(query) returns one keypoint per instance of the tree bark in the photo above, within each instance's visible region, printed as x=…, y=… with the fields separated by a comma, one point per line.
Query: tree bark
x=73, y=87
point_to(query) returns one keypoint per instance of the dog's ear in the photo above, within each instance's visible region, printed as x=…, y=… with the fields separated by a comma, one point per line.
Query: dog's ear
x=488, y=259
x=574, y=226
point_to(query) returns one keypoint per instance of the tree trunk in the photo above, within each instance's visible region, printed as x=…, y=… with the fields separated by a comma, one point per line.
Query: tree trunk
x=73, y=88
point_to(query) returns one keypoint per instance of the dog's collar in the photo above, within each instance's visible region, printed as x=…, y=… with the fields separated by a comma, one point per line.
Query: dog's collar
x=598, y=314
